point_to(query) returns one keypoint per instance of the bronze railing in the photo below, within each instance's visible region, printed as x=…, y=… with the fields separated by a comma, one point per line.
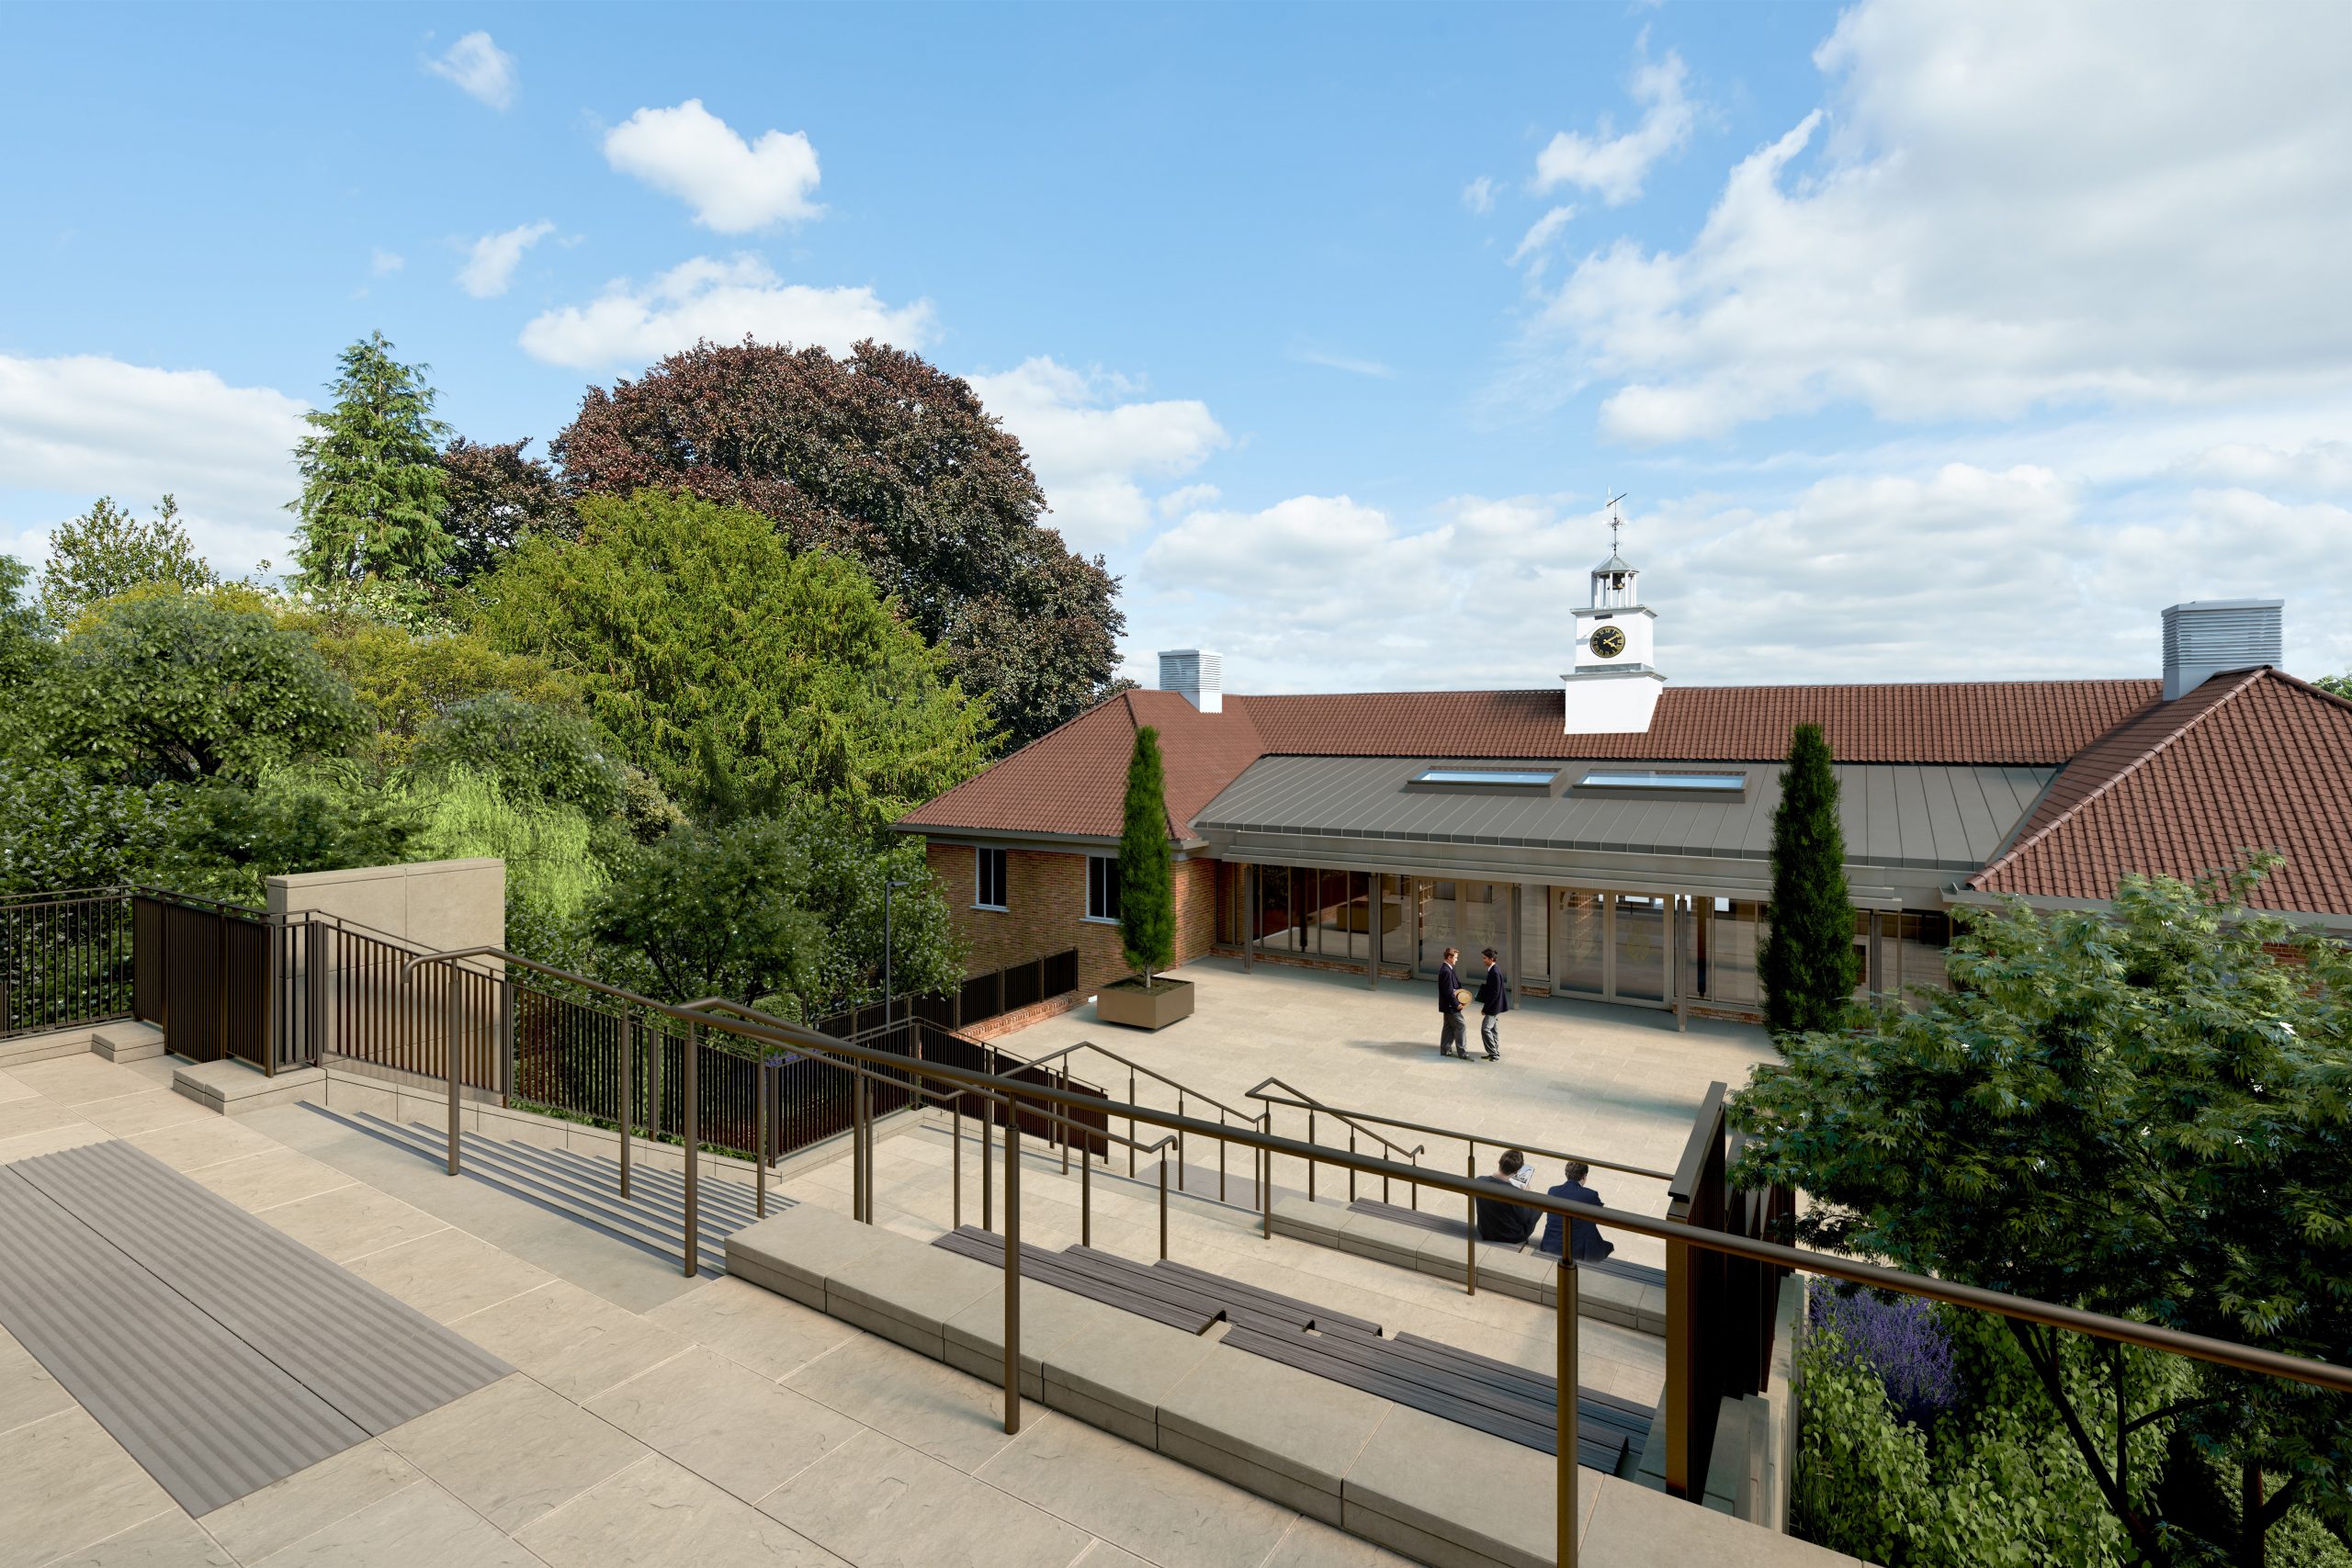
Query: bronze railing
x=1051, y=1099
x=1357, y=1123
x=1185, y=1094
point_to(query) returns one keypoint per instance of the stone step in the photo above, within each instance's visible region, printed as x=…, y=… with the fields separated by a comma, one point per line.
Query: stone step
x=127, y=1042
x=46, y=1047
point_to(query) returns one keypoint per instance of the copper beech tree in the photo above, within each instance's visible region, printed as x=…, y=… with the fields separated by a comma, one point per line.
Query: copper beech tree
x=885, y=459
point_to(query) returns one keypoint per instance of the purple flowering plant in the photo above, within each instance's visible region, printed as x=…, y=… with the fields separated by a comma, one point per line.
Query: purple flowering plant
x=1901, y=1341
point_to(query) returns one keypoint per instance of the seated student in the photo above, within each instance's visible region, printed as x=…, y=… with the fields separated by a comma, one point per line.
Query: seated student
x=1590, y=1244
x=1508, y=1224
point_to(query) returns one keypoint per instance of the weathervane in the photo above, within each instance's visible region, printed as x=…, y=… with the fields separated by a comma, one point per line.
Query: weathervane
x=1615, y=522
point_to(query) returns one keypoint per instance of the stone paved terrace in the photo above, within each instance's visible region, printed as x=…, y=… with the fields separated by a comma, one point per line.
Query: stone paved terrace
x=1617, y=1082
x=653, y=1419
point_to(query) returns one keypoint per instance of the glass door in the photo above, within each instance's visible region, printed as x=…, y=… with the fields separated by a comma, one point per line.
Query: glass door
x=1637, y=949
x=1580, y=964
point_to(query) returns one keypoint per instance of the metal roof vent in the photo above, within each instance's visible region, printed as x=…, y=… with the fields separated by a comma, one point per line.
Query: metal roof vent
x=1197, y=674
x=2208, y=636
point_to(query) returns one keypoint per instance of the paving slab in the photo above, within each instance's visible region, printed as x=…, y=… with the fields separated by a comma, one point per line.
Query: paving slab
x=419, y=1524
x=741, y=1434
x=514, y=1450
x=573, y=1341
x=656, y=1514
x=1311, y=1543
x=284, y=1512
x=952, y=1417
x=1136, y=1498
x=168, y=1540
x=881, y=1505
x=344, y=1222
x=752, y=1325
x=1275, y=1430
x=448, y=1274
x=69, y=1487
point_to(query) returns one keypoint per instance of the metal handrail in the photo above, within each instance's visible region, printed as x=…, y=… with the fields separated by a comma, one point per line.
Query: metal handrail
x=2244, y=1358
x=2222, y=1353
x=1307, y=1102
x=1315, y=1108
x=1261, y=1173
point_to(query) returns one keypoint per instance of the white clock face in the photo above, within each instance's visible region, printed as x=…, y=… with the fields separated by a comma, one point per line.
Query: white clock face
x=1608, y=642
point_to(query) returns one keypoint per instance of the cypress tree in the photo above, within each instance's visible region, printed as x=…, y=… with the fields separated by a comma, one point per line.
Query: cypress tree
x=1808, y=964
x=372, y=487
x=1146, y=856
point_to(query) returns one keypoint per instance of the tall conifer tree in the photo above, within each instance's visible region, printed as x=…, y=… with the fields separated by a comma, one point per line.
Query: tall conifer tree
x=373, y=490
x=1808, y=964
x=1147, y=855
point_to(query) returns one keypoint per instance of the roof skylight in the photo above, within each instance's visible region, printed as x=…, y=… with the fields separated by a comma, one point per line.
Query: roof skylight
x=1667, y=784
x=1489, y=777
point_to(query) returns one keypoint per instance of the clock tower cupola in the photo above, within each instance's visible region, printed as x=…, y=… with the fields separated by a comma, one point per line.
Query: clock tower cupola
x=1612, y=688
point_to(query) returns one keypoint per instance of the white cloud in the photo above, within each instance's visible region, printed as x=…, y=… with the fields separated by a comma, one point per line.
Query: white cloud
x=382, y=263
x=1478, y=196
x=1093, y=454
x=77, y=427
x=1187, y=498
x=1537, y=242
x=490, y=263
x=1352, y=365
x=1948, y=573
x=1966, y=231
x=1615, y=167
x=733, y=186
x=723, y=301
x=481, y=68
x=2317, y=468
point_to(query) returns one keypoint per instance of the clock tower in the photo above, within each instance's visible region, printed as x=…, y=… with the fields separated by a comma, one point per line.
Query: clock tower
x=1613, y=687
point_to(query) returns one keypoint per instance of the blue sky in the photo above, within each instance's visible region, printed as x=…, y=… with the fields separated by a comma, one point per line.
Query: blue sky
x=1931, y=344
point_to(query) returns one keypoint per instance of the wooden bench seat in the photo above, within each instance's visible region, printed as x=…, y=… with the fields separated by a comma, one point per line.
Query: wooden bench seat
x=1054, y=1268
x=1319, y=1317
x=1640, y=1273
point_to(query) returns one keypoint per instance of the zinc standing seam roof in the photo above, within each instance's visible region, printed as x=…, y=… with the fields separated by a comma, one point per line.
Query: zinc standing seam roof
x=1923, y=815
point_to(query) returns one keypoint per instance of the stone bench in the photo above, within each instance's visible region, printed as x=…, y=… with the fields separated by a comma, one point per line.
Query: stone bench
x=1531, y=1276
x=1435, y=1490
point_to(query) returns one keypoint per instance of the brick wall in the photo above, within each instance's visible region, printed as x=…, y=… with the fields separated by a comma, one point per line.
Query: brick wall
x=1044, y=913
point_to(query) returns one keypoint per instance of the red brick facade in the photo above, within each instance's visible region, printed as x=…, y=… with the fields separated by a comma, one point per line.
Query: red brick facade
x=1044, y=913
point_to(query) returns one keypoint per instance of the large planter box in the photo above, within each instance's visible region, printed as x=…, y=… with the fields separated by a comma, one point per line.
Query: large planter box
x=1126, y=1001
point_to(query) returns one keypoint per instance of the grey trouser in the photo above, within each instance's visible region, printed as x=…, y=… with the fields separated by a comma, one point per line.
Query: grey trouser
x=1454, y=1036
x=1490, y=1033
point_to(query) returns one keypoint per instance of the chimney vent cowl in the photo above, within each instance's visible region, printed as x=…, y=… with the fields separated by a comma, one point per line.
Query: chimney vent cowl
x=2210, y=637
x=1196, y=674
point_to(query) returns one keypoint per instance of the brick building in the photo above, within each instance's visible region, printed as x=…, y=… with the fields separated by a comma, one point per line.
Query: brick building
x=1611, y=838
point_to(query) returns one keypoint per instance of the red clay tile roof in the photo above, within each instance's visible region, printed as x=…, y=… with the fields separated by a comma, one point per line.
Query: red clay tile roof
x=1072, y=781
x=2253, y=760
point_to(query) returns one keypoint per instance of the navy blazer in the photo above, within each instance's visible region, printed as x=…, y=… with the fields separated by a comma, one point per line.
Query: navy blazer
x=1494, y=994
x=1449, y=989
x=1591, y=1246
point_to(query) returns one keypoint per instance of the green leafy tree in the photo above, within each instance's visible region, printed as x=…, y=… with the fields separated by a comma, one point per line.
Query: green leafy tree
x=496, y=497
x=373, y=488
x=181, y=687
x=884, y=458
x=2147, y=1112
x=25, y=653
x=724, y=663
x=715, y=912
x=1146, y=860
x=802, y=932
x=228, y=836
x=1808, y=966
x=107, y=551
x=60, y=829
x=407, y=674
x=534, y=755
x=553, y=869
x=2336, y=685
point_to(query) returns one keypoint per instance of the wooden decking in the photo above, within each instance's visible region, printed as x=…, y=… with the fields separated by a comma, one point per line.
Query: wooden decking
x=1474, y=1391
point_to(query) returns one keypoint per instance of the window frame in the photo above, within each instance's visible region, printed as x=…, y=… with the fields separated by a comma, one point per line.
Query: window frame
x=1105, y=881
x=980, y=864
